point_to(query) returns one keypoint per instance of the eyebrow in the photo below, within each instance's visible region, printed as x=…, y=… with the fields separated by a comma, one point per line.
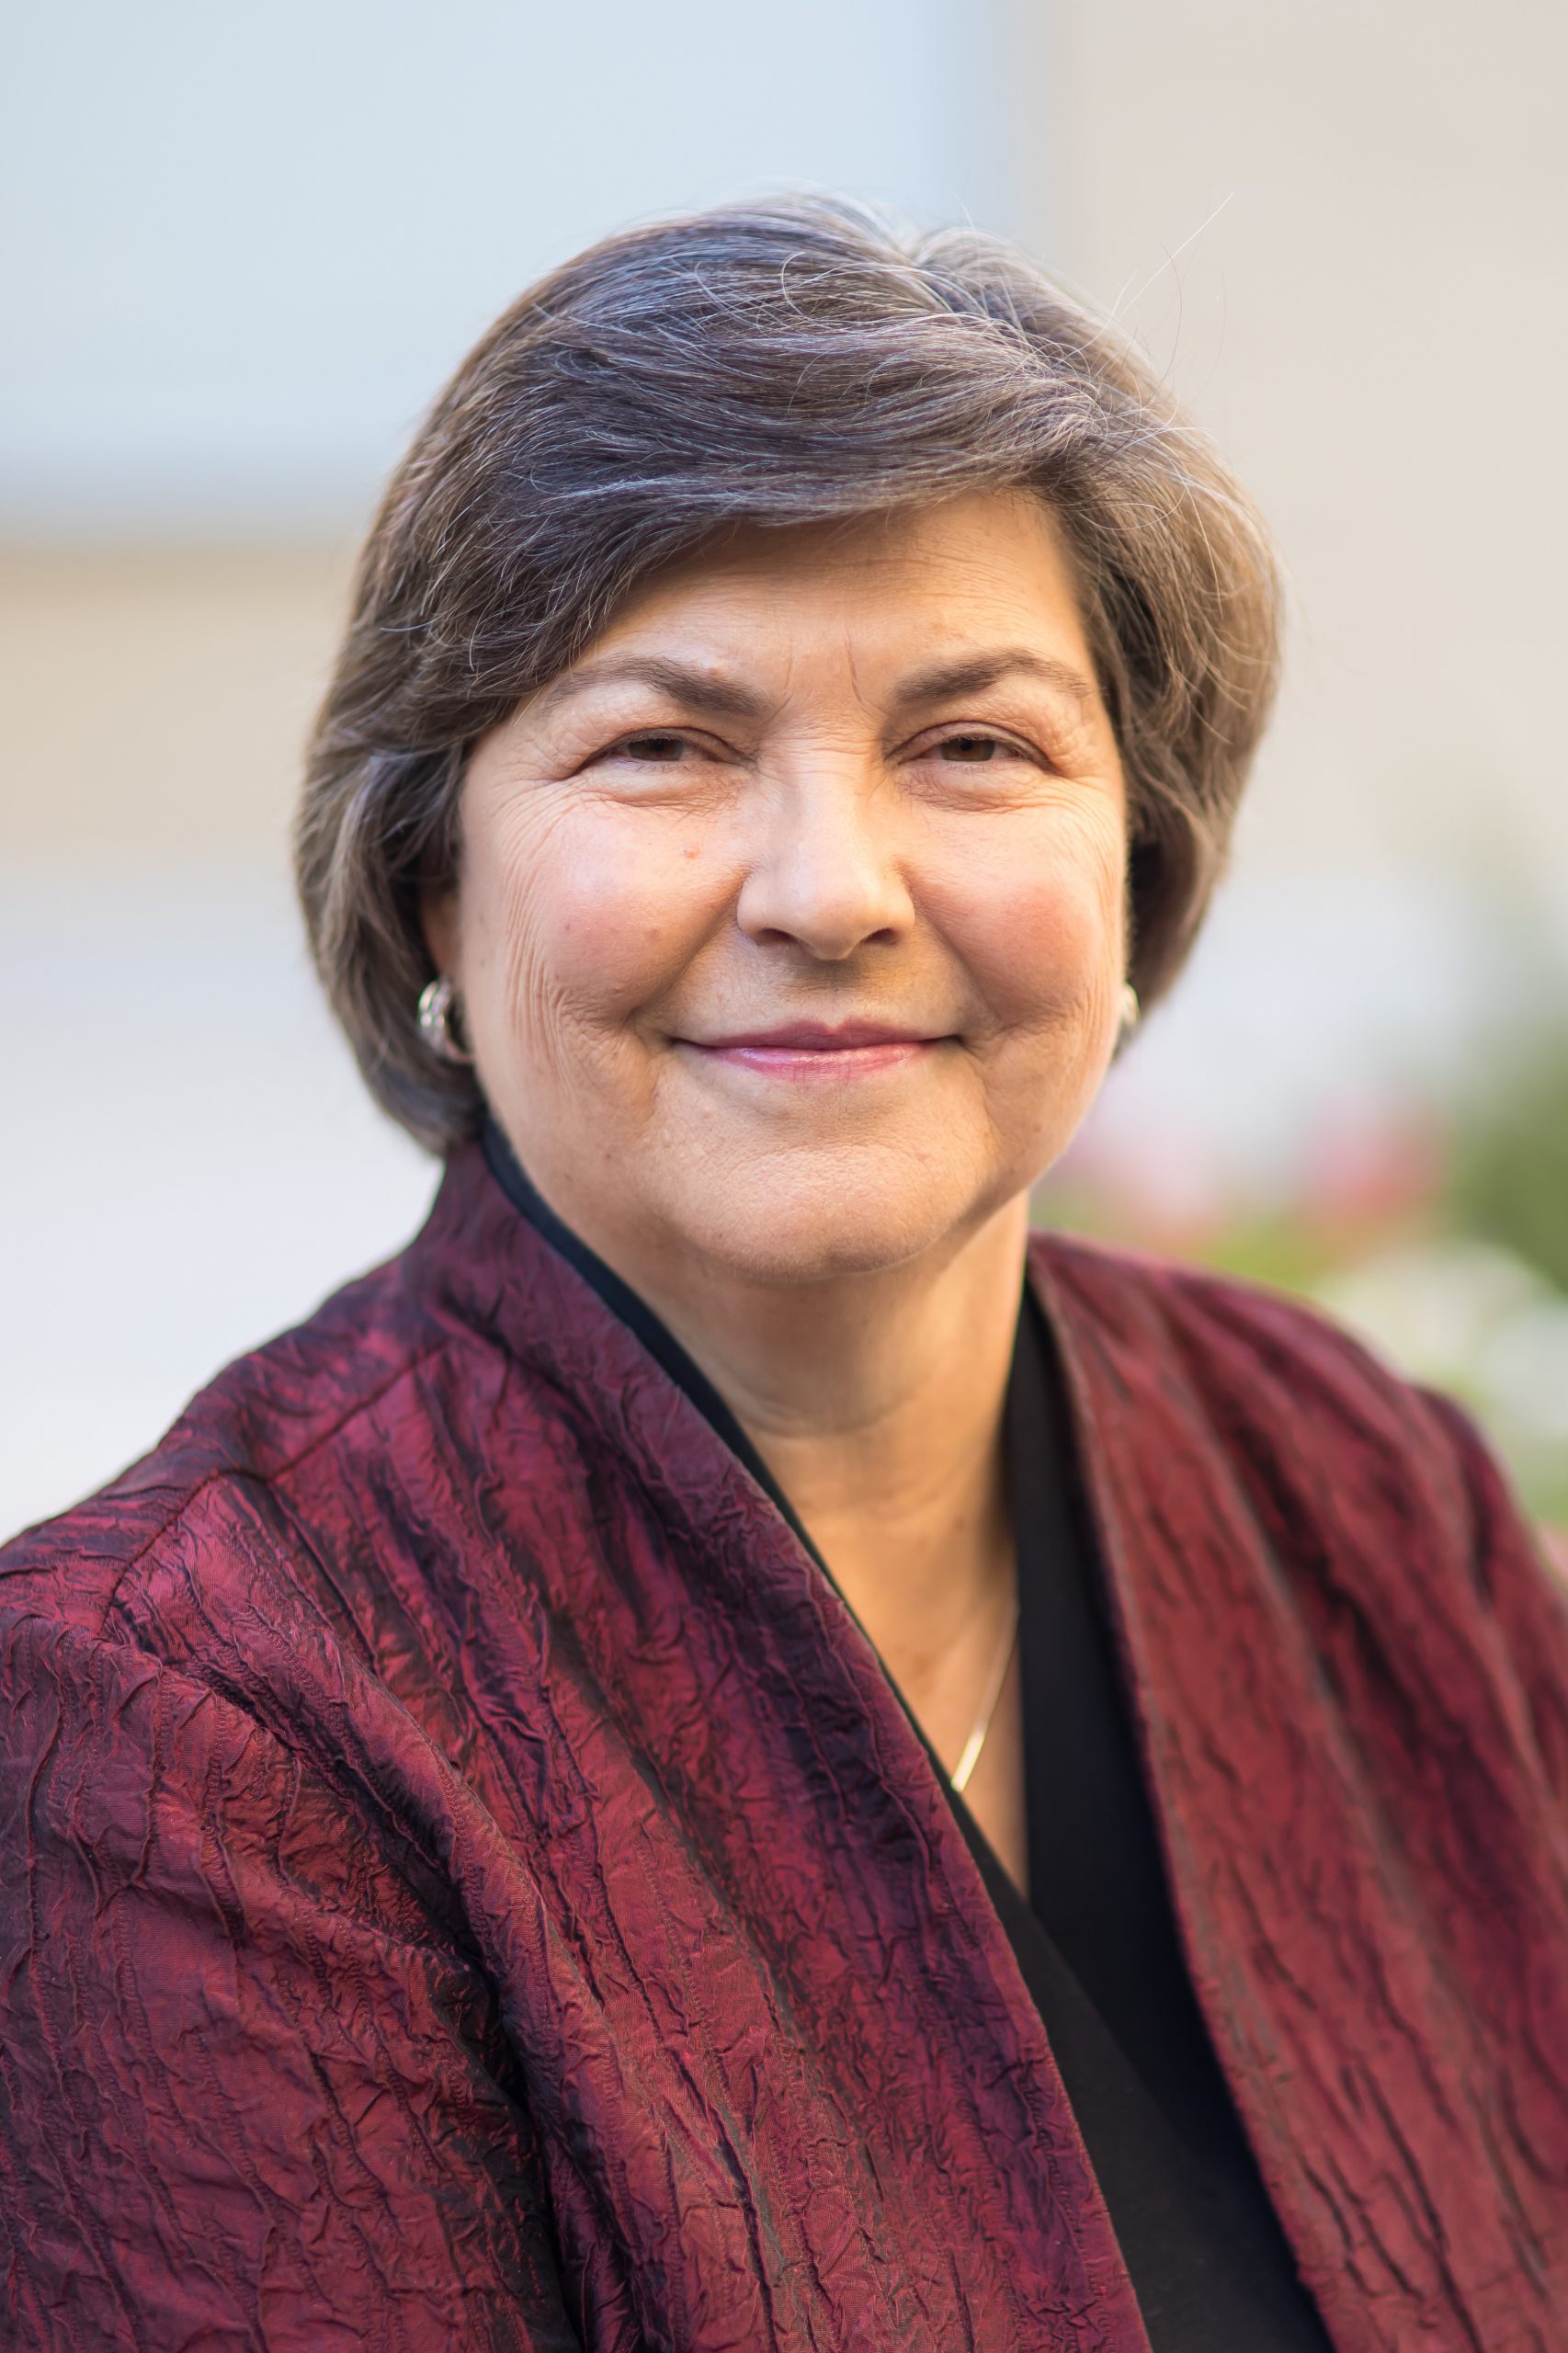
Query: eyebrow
x=700, y=690
x=983, y=670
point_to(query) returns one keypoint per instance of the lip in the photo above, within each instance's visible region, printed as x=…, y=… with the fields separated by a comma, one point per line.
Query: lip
x=819, y=1050
x=818, y=1038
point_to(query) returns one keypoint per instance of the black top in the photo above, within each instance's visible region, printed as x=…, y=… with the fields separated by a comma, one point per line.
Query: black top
x=1096, y=1942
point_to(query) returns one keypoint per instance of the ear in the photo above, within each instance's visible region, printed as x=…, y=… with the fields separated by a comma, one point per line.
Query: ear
x=438, y=922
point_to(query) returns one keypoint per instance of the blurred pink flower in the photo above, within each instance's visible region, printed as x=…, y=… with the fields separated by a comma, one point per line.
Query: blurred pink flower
x=1371, y=1166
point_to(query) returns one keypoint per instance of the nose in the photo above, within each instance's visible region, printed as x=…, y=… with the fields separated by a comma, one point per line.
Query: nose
x=824, y=874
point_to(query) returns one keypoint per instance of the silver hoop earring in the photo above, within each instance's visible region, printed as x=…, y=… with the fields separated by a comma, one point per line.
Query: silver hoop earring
x=434, y=1015
x=1131, y=1011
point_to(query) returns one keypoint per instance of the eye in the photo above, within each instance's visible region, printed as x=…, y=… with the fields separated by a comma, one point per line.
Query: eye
x=974, y=747
x=656, y=744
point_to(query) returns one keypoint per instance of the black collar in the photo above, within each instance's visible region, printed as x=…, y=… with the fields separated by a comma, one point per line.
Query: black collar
x=638, y=1316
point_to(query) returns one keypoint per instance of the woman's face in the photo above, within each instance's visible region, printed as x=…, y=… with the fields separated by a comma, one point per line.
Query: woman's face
x=790, y=932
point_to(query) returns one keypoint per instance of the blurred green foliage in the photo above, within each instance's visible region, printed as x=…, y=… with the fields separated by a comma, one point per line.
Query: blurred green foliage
x=1458, y=1269
x=1508, y=1169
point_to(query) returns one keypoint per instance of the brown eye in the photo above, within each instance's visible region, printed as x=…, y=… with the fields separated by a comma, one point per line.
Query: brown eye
x=660, y=747
x=969, y=747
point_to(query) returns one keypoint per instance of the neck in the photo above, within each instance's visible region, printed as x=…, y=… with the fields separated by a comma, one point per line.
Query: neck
x=877, y=1402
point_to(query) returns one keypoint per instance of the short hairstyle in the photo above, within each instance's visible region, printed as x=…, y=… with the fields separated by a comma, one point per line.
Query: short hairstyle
x=781, y=363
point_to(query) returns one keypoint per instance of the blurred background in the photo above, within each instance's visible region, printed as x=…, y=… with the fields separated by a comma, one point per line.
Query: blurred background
x=242, y=249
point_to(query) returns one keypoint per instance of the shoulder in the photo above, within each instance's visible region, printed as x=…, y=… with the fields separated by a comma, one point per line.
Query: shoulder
x=1230, y=1340
x=274, y=1609
x=1378, y=1502
x=1225, y=1328
x=313, y=1538
x=164, y=1647
x=223, y=1624
x=306, y=1542
x=220, y=1501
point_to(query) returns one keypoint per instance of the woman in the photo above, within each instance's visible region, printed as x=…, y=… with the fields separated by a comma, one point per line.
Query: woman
x=732, y=1751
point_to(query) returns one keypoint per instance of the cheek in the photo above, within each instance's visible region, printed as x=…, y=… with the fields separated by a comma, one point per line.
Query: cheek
x=1036, y=915
x=588, y=912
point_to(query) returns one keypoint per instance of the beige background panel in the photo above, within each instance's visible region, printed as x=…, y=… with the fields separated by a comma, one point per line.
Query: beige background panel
x=1340, y=230
x=156, y=698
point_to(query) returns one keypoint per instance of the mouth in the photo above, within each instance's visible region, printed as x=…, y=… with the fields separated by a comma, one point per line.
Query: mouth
x=820, y=1049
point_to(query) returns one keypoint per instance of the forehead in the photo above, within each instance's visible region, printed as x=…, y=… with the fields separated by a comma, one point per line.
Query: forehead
x=990, y=558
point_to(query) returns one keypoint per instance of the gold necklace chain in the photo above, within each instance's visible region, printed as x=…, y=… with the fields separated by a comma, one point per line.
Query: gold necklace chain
x=958, y=1778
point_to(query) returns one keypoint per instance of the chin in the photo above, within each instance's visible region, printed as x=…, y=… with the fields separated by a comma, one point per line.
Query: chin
x=790, y=1219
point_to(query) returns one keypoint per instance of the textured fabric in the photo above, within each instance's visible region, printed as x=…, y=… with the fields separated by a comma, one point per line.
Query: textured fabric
x=1096, y=1944
x=468, y=1882
x=1208, y=2262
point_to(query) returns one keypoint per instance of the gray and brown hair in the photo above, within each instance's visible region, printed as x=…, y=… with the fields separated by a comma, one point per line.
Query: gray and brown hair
x=772, y=364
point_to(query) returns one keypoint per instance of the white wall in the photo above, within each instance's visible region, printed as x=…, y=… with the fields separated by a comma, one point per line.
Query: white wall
x=1338, y=230
x=245, y=247
x=247, y=244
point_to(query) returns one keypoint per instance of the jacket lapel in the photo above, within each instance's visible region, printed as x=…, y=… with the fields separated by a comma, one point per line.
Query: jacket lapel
x=1315, y=1944
x=909, y=2145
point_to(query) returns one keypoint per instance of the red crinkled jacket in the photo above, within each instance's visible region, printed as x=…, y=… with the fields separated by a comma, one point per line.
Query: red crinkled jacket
x=469, y=1882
